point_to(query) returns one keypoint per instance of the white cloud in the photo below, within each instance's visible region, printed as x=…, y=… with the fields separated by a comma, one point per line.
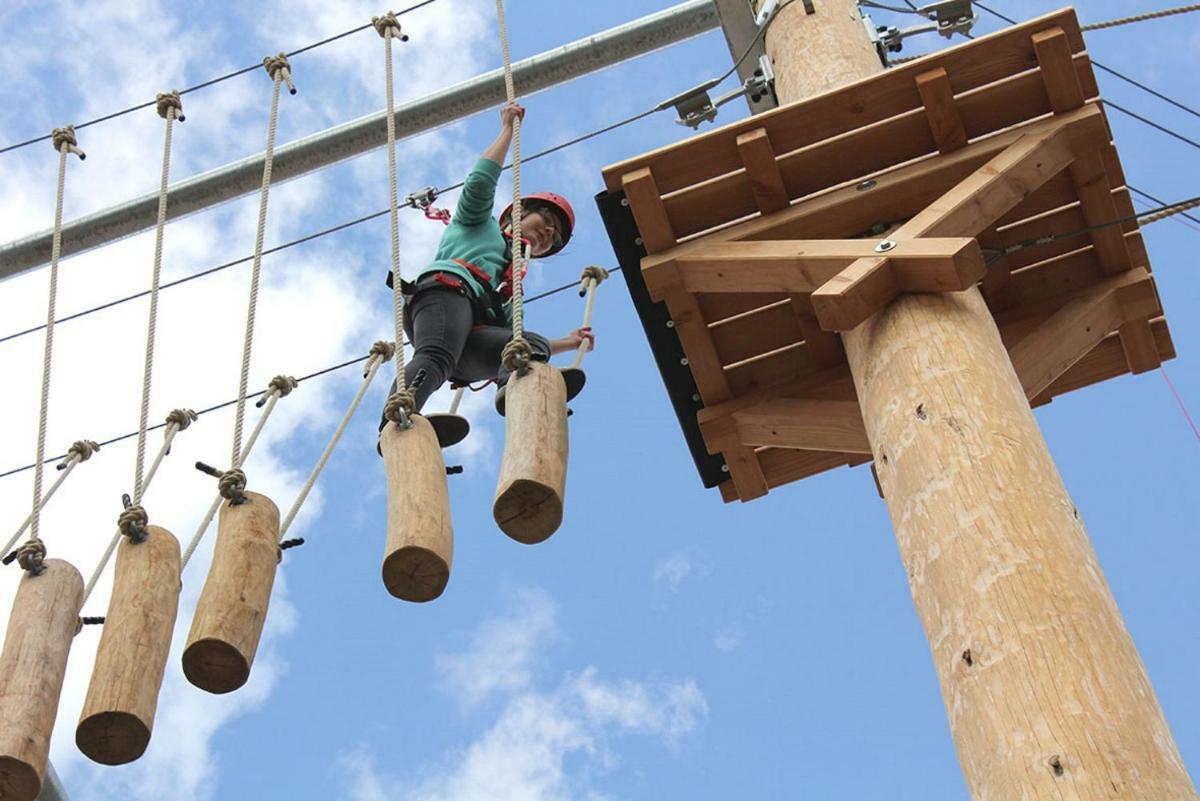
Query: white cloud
x=673, y=570
x=546, y=743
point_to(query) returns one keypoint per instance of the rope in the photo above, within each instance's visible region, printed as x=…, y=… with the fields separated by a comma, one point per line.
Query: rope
x=381, y=352
x=272, y=398
x=517, y=353
x=1113, y=23
x=1168, y=211
x=279, y=70
x=81, y=451
x=456, y=400
x=591, y=278
x=323, y=371
x=133, y=521
x=1179, y=399
x=64, y=142
x=170, y=108
x=401, y=404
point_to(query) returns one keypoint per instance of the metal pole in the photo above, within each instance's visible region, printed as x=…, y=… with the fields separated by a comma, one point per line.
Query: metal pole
x=52, y=787
x=354, y=138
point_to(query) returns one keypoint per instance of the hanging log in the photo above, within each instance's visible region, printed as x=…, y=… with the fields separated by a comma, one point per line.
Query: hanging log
x=420, y=541
x=233, y=605
x=44, y=620
x=533, y=474
x=118, y=715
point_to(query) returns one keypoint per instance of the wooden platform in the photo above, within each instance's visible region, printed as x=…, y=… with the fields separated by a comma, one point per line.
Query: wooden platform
x=760, y=240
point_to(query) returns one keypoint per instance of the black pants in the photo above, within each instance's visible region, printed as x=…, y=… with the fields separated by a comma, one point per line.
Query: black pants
x=440, y=322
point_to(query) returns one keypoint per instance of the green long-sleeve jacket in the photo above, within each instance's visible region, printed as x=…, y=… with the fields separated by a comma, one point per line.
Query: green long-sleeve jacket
x=474, y=236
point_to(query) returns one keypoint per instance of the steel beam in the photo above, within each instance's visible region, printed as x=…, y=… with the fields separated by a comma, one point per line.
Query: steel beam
x=354, y=138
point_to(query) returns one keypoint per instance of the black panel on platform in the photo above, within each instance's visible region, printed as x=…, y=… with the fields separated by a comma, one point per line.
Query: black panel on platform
x=668, y=353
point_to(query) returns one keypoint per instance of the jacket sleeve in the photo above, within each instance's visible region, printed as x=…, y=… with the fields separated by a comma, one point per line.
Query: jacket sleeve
x=479, y=194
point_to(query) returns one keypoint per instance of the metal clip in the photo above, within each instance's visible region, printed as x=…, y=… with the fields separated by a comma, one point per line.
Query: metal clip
x=947, y=18
x=693, y=106
x=423, y=198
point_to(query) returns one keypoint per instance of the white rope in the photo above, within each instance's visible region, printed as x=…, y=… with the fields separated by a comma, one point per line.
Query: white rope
x=401, y=403
x=273, y=396
x=169, y=433
x=64, y=142
x=1112, y=23
x=378, y=358
x=456, y=400
x=279, y=70
x=72, y=460
x=591, y=278
x=170, y=108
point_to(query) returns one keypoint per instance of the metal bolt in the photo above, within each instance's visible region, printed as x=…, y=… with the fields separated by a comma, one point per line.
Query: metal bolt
x=684, y=362
x=867, y=184
x=885, y=246
x=724, y=468
x=624, y=201
x=696, y=397
x=637, y=241
x=670, y=323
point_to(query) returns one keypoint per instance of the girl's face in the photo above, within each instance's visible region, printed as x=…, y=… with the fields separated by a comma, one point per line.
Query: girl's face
x=543, y=231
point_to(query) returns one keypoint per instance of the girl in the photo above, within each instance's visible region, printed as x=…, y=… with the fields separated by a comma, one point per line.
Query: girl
x=458, y=313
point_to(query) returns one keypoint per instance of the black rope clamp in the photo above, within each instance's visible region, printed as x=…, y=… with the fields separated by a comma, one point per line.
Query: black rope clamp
x=133, y=521
x=92, y=621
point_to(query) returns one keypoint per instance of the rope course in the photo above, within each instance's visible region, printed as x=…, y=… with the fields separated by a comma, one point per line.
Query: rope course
x=214, y=81
x=79, y=452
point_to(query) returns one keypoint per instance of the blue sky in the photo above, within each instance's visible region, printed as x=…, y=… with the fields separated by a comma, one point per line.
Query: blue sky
x=662, y=644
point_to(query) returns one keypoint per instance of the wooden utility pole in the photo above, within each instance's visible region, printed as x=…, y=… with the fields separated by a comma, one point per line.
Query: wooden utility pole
x=1046, y=695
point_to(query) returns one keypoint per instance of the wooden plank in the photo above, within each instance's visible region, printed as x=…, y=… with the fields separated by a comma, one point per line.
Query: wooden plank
x=766, y=182
x=1053, y=53
x=1107, y=361
x=824, y=346
x=940, y=110
x=750, y=335
x=859, y=153
x=648, y=210
x=1075, y=329
x=987, y=194
x=983, y=61
x=719, y=306
x=698, y=347
x=1099, y=209
x=832, y=384
x=856, y=293
x=815, y=425
x=926, y=265
x=1137, y=342
x=785, y=465
x=771, y=370
x=746, y=473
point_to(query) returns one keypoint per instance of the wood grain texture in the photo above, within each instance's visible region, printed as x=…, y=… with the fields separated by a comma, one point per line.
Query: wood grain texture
x=41, y=627
x=533, y=473
x=233, y=605
x=941, y=113
x=118, y=713
x=420, y=534
x=766, y=182
x=646, y=203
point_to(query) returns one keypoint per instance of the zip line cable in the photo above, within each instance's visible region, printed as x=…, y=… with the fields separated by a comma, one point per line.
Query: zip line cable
x=214, y=81
x=324, y=371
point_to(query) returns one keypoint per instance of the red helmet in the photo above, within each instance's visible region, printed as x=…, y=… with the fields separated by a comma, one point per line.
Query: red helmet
x=559, y=203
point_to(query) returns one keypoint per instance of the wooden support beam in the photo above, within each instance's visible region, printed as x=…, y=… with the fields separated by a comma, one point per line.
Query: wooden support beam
x=856, y=293
x=766, y=181
x=825, y=347
x=1074, y=330
x=803, y=266
x=1053, y=51
x=648, y=210
x=1137, y=341
x=945, y=123
x=813, y=425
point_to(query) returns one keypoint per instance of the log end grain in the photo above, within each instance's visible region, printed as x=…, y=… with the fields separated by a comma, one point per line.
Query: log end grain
x=112, y=738
x=215, y=666
x=417, y=574
x=528, y=511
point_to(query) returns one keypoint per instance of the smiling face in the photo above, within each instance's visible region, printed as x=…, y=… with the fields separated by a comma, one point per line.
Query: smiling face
x=543, y=229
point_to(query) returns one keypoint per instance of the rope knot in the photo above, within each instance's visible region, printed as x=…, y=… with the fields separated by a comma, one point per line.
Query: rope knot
x=283, y=384
x=31, y=555
x=132, y=523
x=280, y=69
x=83, y=449
x=400, y=407
x=516, y=356
x=182, y=418
x=232, y=485
x=593, y=273
x=388, y=25
x=64, y=139
x=169, y=103
x=383, y=349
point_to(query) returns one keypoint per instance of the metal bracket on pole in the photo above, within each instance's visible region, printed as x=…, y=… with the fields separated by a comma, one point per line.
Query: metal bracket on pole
x=741, y=29
x=695, y=106
x=947, y=18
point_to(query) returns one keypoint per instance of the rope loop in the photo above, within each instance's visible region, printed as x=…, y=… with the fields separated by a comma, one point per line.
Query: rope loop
x=383, y=349
x=83, y=449
x=64, y=139
x=283, y=384
x=280, y=69
x=31, y=555
x=132, y=523
x=400, y=406
x=182, y=418
x=388, y=25
x=597, y=275
x=169, y=103
x=232, y=486
x=516, y=356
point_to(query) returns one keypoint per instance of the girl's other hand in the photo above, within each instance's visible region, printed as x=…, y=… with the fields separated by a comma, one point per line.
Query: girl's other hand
x=579, y=336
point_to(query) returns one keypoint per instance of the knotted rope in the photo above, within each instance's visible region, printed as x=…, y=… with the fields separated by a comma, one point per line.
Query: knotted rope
x=31, y=555
x=274, y=393
x=1112, y=23
x=180, y=419
x=516, y=354
x=64, y=142
x=133, y=520
x=80, y=451
x=280, y=71
x=282, y=385
x=380, y=353
x=591, y=277
x=401, y=404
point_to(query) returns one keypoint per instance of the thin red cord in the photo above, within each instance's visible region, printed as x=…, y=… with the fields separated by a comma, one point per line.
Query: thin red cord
x=1179, y=400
